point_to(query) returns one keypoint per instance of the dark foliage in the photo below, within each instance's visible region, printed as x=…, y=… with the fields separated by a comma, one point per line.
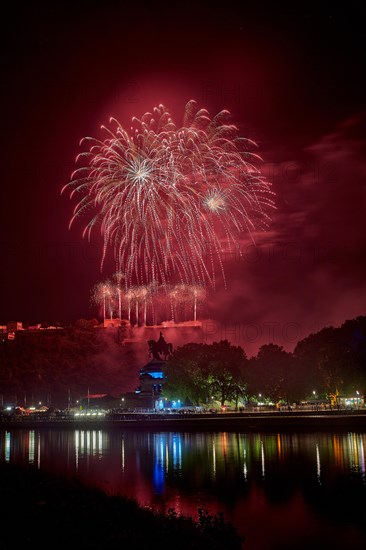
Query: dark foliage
x=61, y=362
x=334, y=359
x=51, y=365
x=52, y=512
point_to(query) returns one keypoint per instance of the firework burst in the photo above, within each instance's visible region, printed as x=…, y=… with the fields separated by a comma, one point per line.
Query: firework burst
x=168, y=199
x=104, y=294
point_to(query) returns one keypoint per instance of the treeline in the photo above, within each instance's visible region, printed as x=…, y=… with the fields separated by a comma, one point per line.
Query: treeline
x=55, y=365
x=323, y=364
x=59, y=366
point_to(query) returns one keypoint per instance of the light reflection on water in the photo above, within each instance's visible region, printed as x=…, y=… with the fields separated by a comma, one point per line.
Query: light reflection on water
x=253, y=478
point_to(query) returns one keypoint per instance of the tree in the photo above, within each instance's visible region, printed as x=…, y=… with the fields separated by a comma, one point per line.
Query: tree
x=187, y=374
x=199, y=372
x=225, y=367
x=271, y=373
x=334, y=358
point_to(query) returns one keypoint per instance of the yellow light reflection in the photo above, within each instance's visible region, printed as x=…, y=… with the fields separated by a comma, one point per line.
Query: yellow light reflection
x=213, y=457
x=123, y=454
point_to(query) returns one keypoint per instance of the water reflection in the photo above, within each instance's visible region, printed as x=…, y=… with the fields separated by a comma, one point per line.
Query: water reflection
x=31, y=453
x=7, y=446
x=212, y=454
x=318, y=468
x=88, y=443
x=248, y=476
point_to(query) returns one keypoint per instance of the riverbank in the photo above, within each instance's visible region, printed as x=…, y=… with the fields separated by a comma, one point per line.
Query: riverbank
x=52, y=511
x=247, y=422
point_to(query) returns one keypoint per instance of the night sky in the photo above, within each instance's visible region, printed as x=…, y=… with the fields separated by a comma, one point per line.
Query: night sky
x=293, y=80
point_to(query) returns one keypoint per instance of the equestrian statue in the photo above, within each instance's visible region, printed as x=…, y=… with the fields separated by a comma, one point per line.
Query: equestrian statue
x=160, y=348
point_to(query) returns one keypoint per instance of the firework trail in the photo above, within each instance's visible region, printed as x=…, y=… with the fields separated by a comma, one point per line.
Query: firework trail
x=169, y=199
x=104, y=294
x=182, y=294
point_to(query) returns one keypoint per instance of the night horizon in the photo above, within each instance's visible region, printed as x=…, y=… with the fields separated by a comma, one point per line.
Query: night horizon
x=292, y=83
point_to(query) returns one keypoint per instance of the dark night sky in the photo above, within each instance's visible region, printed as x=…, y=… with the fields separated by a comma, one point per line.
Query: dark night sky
x=293, y=80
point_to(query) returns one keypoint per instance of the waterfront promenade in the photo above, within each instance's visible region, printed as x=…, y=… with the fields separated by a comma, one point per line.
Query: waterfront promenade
x=343, y=419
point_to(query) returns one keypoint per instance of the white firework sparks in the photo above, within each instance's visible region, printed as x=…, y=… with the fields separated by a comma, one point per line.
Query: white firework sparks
x=168, y=199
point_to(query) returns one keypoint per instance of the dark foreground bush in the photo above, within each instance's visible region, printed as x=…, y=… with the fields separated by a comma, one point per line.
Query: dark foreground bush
x=44, y=511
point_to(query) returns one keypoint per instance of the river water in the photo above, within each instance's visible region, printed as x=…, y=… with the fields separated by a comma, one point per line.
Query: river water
x=281, y=490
